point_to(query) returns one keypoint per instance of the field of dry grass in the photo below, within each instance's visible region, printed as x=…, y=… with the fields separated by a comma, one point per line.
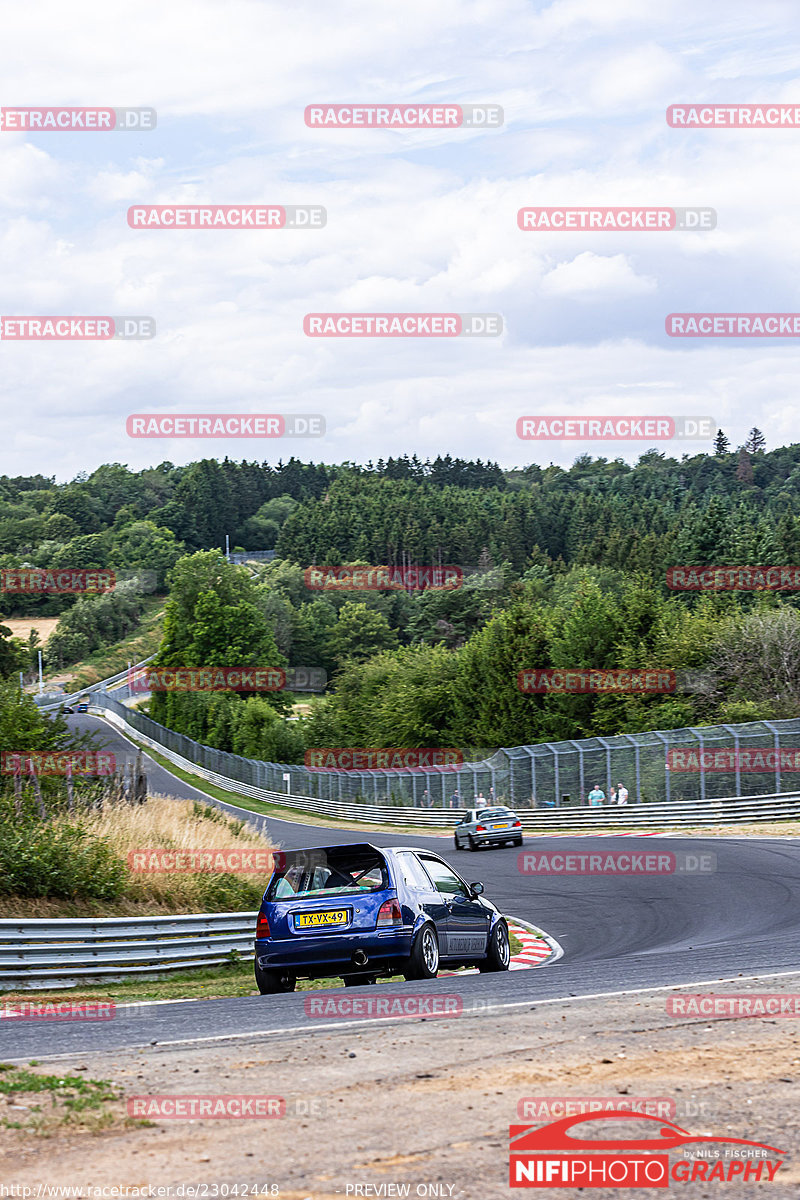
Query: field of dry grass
x=21, y=626
x=162, y=823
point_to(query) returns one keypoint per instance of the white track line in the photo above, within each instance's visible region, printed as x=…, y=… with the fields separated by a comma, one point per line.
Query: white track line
x=489, y=1009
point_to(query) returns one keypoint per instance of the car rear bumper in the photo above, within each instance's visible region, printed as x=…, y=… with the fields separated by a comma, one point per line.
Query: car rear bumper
x=493, y=836
x=381, y=948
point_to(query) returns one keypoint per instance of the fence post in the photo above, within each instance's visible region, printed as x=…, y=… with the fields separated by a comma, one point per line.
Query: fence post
x=552, y=748
x=665, y=744
x=70, y=797
x=777, y=743
x=37, y=789
x=737, y=767
x=699, y=737
x=18, y=791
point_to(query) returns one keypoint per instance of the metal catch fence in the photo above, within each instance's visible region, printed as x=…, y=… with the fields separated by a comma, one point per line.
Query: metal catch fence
x=684, y=769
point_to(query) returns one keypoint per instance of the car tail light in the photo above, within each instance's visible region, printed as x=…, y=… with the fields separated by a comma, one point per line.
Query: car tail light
x=517, y=825
x=480, y=829
x=262, y=927
x=390, y=913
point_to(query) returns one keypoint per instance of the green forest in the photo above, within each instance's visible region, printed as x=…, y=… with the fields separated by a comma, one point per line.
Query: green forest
x=562, y=568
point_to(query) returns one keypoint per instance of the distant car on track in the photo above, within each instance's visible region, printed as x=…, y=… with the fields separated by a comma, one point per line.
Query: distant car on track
x=81, y=708
x=361, y=912
x=489, y=826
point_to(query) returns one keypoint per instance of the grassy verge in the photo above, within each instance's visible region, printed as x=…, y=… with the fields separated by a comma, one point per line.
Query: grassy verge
x=285, y=813
x=43, y=1103
x=100, y=862
x=204, y=983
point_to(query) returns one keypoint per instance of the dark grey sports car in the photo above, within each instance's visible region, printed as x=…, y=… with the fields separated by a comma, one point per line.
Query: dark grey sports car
x=488, y=827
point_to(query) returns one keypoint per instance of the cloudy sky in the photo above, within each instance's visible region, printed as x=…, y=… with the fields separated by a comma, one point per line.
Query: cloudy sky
x=417, y=221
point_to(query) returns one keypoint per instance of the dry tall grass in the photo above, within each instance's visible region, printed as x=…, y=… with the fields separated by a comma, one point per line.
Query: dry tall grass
x=161, y=823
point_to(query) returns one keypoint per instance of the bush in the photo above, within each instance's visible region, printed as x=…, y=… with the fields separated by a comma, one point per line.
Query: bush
x=61, y=861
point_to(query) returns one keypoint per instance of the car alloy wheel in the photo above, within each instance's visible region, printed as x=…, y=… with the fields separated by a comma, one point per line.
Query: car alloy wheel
x=423, y=962
x=430, y=950
x=498, y=956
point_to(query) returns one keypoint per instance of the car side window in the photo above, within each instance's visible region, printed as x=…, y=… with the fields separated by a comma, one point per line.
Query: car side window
x=444, y=880
x=413, y=873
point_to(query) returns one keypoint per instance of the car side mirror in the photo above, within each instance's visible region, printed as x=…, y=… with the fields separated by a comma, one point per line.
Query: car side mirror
x=476, y=889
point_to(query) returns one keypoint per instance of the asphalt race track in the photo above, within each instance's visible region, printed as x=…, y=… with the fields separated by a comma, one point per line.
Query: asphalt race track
x=618, y=933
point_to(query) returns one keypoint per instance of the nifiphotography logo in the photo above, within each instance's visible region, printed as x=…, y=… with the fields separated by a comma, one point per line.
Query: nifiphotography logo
x=553, y=1156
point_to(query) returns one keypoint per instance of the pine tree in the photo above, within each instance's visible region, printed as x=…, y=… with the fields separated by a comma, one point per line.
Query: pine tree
x=756, y=442
x=721, y=444
x=744, y=469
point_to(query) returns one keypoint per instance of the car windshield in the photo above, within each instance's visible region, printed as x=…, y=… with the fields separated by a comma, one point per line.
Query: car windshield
x=334, y=871
x=489, y=814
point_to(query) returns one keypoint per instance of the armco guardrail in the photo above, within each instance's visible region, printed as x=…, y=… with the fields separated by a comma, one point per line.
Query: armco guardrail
x=101, y=686
x=46, y=953
x=693, y=765
x=727, y=810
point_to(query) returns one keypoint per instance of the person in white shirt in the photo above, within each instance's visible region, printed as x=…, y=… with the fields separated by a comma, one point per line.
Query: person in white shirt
x=622, y=794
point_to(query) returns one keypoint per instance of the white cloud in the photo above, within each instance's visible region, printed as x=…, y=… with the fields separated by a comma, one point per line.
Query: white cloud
x=592, y=276
x=416, y=221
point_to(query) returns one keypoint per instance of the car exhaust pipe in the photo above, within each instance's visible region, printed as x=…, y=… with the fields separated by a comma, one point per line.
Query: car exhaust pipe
x=360, y=958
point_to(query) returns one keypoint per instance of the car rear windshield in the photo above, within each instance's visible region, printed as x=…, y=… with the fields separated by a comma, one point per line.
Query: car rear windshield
x=335, y=871
x=491, y=813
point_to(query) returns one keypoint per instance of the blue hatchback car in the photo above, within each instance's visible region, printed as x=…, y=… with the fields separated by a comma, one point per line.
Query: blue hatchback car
x=361, y=912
